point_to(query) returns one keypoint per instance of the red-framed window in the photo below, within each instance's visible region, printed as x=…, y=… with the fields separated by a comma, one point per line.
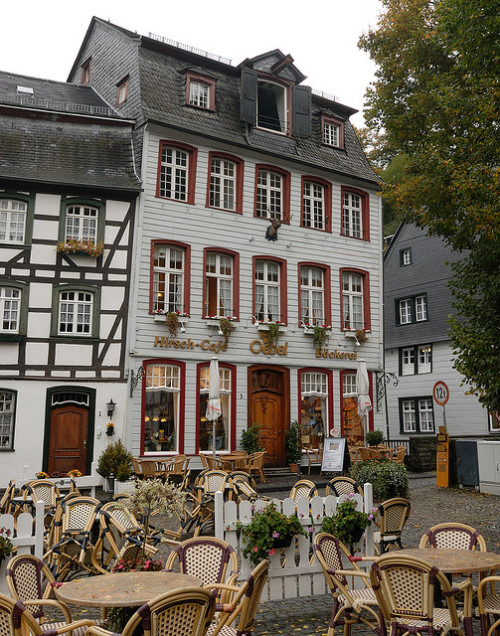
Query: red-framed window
x=122, y=91
x=354, y=299
x=176, y=171
x=352, y=427
x=272, y=193
x=170, y=277
x=221, y=288
x=332, y=131
x=225, y=426
x=316, y=204
x=355, y=221
x=315, y=405
x=200, y=91
x=315, y=294
x=85, y=76
x=163, y=399
x=225, y=182
x=269, y=289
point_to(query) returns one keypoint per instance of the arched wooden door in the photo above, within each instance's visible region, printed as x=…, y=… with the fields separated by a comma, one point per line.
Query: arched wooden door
x=68, y=438
x=269, y=408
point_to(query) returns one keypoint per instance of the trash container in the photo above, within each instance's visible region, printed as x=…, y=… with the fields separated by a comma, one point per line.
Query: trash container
x=467, y=464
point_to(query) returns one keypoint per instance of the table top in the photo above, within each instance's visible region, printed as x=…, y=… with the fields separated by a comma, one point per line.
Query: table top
x=456, y=561
x=123, y=589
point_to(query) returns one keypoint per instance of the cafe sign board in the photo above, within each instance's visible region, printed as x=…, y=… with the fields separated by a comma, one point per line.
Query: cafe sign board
x=333, y=455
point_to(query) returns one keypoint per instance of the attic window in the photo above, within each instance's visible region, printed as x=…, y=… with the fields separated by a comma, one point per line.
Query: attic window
x=332, y=131
x=271, y=106
x=122, y=91
x=85, y=79
x=25, y=90
x=200, y=91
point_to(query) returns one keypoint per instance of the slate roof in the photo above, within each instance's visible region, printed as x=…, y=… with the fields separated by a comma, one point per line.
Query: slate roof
x=49, y=140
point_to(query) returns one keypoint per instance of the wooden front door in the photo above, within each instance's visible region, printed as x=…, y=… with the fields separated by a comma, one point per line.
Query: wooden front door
x=269, y=408
x=68, y=438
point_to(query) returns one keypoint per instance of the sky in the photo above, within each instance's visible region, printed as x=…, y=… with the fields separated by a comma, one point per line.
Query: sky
x=42, y=39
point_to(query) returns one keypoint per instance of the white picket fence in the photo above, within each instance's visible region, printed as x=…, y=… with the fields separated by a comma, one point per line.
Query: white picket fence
x=26, y=534
x=295, y=575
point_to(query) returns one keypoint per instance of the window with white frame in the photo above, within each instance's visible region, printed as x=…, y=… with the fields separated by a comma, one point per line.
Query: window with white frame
x=352, y=215
x=424, y=359
x=7, y=418
x=199, y=94
x=218, y=284
x=331, y=133
x=408, y=361
x=412, y=309
x=168, y=278
x=313, y=205
x=312, y=295
x=405, y=256
x=267, y=291
x=162, y=407
x=222, y=193
x=10, y=310
x=223, y=423
x=81, y=223
x=416, y=360
x=269, y=203
x=352, y=301
x=416, y=415
x=313, y=408
x=13, y=220
x=75, y=313
x=174, y=173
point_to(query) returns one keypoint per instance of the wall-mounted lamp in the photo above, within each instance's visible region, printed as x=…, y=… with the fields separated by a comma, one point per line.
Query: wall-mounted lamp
x=111, y=408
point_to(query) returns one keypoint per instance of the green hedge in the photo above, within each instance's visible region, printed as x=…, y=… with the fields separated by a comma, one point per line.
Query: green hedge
x=387, y=478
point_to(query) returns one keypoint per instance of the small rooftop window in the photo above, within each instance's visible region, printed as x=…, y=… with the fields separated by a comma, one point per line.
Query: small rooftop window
x=25, y=90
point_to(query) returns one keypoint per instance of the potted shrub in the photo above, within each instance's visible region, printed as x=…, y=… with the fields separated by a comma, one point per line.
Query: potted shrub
x=293, y=447
x=268, y=531
x=250, y=440
x=348, y=523
x=115, y=462
x=373, y=438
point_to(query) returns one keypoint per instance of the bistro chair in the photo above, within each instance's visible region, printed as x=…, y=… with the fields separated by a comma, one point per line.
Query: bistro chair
x=392, y=517
x=314, y=458
x=6, y=504
x=236, y=616
x=405, y=589
x=303, y=488
x=488, y=604
x=343, y=486
x=137, y=468
x=255, y=464
x=17, y=620
x=351, y=605
x=187, y=611
x=453, y=535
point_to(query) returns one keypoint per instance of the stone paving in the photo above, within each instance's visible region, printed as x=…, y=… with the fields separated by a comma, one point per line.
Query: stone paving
x=430, y=505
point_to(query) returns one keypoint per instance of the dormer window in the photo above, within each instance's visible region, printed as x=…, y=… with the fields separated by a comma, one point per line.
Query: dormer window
x=272, y=106
x=122, y=91
x=25, y=90
x=85, y=79
x=200, y=91
x=332, y=131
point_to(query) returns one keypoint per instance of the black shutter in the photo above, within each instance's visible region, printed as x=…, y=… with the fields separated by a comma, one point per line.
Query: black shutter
x=301, y=118
x=248, y=99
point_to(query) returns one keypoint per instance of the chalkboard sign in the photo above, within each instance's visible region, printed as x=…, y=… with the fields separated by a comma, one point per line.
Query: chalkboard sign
x=333, y=455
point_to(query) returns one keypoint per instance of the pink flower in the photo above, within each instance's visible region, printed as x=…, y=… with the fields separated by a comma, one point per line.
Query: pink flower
x=271, y=552
x=276, y=535
x=255, y=549
x=310, y=529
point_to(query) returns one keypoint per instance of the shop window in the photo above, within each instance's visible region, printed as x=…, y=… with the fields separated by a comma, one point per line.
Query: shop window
x=315, y=395
x=416, y=415
x=7, y=418
x=224, y=425
x=163, y=409
x=176, y=171
x=355, y=214
x=170, y=278
x=352, y=424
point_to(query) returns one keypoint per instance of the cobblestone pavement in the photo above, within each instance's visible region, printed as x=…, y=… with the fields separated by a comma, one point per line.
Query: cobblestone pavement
x=430, y=505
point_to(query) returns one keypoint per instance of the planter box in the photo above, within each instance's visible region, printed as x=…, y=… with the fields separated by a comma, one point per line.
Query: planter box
x=126, y=487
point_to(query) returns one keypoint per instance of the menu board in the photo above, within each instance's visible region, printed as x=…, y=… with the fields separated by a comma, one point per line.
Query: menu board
x=333, y=455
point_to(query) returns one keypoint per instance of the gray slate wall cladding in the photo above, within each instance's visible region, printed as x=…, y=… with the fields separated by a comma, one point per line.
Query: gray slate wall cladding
x=427, y=274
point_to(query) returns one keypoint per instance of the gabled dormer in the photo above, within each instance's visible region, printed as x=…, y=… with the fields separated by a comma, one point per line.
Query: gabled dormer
x=271, y=98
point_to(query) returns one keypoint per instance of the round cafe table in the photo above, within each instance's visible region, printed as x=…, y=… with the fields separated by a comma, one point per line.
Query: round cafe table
x=455, y=561
x=123, y=589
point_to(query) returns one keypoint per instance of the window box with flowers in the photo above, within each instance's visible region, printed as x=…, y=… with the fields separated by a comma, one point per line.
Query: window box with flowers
x=174, y=320
x=223, y=324
x=320, y=333
x=274, y=330
x=41, y=475
x=359, y=335
x=268, y=531
x=110, y=429
x=74, y=246
x=348, y=523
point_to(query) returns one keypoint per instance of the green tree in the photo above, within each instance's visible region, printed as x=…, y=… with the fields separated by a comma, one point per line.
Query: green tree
x=436, y=102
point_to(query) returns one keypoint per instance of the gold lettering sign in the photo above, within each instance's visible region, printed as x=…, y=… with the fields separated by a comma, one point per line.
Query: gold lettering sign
x=263, y=345
x=336, y=354
x=174, y=343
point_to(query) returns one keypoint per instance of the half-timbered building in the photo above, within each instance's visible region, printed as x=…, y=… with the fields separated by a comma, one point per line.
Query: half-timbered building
x=260, y=226
x=67, y=211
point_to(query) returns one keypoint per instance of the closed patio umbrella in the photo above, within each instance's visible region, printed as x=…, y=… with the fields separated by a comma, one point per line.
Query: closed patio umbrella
x=214, y=409
x=362, y=389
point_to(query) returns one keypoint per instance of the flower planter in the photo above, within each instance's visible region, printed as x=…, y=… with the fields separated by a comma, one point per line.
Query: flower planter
x=282, y=542
x=126, y=487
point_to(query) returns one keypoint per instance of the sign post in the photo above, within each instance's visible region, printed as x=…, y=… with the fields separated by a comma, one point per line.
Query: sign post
x=441, y=395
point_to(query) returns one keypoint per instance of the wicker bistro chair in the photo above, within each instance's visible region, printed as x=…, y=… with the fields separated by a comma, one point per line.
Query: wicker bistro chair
x=74, y=521
x=343, y=486
x=314, y=458
x=6, y=505
x=243, y=489
x=187, y=611
x=137, y=468
x=17, y=620
x=255, y=465
x=488, y=604
x=303, y=488
x=236, y=616
x=404, y=587
x=393, y=515
x=350, y=606
x=453, y=535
